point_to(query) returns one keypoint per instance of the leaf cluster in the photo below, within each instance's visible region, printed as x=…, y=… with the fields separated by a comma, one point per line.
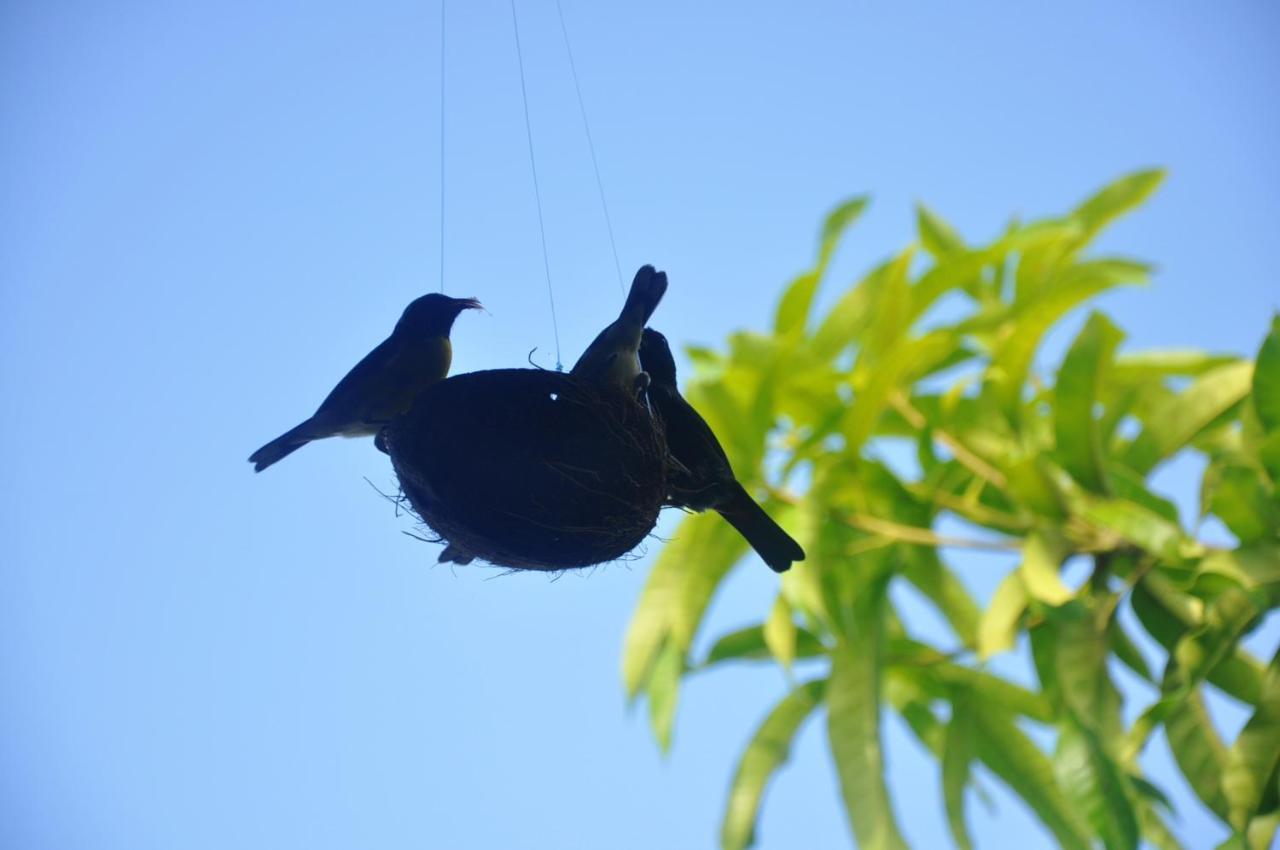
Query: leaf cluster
x=917, y=402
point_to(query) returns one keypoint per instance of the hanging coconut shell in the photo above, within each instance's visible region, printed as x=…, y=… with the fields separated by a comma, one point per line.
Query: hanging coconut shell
x=531, y=469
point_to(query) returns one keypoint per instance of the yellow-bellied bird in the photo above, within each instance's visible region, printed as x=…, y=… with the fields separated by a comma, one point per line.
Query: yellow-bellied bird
x=385, y=383
x=612, y=358
x=702, y=477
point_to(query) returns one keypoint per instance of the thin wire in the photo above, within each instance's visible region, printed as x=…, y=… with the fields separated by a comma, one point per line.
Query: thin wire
x=595, y=165
x=537, y=195
x=442, y=7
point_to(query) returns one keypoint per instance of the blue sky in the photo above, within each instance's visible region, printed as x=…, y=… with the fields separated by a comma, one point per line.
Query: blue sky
x=211, y=210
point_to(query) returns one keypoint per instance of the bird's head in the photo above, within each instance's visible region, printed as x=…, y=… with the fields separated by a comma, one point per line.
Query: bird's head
x=433, y=315
x=656, y=359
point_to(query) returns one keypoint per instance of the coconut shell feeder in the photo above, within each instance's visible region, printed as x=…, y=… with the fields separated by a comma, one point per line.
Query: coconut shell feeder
x=531, y=469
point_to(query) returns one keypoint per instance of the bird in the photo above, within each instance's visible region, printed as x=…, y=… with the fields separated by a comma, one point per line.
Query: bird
x=454, y=554
x=383, y=384
x=612, y=359
x=701, y=477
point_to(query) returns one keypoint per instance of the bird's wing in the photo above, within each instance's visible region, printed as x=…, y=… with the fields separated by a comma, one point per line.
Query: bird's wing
x=689, y=438
x=351, y=396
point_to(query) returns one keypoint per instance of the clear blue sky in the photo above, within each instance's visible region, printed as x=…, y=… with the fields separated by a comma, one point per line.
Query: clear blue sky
x=211, y=210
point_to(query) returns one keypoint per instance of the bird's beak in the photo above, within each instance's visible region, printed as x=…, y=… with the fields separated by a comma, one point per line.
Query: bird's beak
x=468, y=304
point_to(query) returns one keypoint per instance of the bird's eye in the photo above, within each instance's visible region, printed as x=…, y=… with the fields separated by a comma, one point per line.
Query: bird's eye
x=555, y=396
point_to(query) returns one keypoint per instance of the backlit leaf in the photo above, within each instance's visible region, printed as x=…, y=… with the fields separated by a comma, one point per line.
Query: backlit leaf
x=1266, y=380
x=768, y=750
x=1084, y=370
x=1186, y=414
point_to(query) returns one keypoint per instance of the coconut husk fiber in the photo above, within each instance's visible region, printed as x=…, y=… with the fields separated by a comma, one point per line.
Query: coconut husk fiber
x=531, y=469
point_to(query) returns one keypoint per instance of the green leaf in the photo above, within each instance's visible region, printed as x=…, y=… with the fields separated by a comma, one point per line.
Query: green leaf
x=1199, y=752
x=1028, y=773
x=1041, y=559
x=1241, y=497
x=1083, y=373
x=1197, y=653
x=1155, y=365
x=1254, y=758
x=1253, y=567
x=940, y=585
x=1116, y=199
x=664, y=692
x=877, y=306
x=793, y=311
x=1097, y=786
x=956, y=758
x=1141, y=527
x=1266, y=379
x=780, y=633
x=1128, y=652
x=768, y=750
x=881, y=378
x=937, y=237
x=998, y=629
x=1167, y=615
x=684, y=577
x=1011, y=361
x=749, y=645
x=1175, y=423
x=853, y=728
x=1080, y=650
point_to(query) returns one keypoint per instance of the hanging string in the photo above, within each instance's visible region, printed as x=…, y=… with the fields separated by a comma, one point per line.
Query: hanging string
x=537, y=195
x=595, y=165
x=442, y=6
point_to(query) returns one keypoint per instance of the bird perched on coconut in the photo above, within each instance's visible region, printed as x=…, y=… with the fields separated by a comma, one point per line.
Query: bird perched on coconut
x=613, y=357
x=701, y=477
x=385, y=383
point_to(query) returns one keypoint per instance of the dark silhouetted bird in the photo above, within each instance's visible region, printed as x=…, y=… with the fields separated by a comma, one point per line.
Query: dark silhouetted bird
x=385, y=383
x=701, y=477
x=612, y=358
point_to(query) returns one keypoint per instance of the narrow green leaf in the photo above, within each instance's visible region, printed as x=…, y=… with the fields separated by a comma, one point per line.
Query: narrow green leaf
x=998, y=629
x=1081, y=648
x=664, y=693
x=1116, y=199
x=937, y=237
x=1128, y=653
x=1155, y=831
x=793, y=310
x=748, y=645
x=1012, y=756
x=1199, y=752
x=1176, y=422
x=956, y=758
x=1167, y=615
x=853, y=728
x=1266, y=379
x=1254, y=758
x=1157, y=364
x=1141, y=527
x=684, y=577
x=1041, y=559
x=1011, y=361
x=1253, y=567
x=768, y=750
x=780, y=632
x=926, y=572
x=1097, y=786
x=1080, y=379
x=1242, y=498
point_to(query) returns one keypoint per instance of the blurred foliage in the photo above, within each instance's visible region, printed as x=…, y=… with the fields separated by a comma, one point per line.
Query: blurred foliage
x=935, y=350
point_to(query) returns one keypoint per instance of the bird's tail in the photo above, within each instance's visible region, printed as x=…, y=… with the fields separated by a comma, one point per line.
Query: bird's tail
x=774, y=546
x=647, y=289
x=284, y=445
